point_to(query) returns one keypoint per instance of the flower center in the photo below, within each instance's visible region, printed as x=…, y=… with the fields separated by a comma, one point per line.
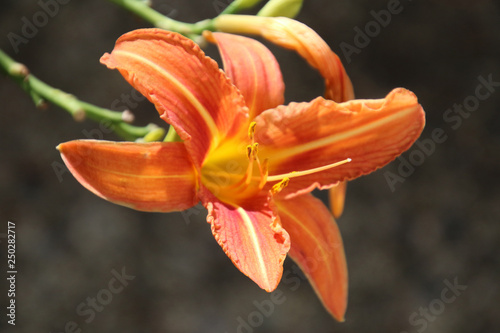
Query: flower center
x=233, y=171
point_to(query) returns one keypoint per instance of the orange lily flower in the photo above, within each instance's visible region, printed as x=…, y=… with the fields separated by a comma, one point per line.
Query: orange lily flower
x=251, y=161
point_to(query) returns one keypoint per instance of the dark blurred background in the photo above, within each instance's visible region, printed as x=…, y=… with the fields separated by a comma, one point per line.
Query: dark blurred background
x=406, y=244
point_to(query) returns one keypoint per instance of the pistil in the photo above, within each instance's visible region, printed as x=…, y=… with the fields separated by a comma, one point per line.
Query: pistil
x=294, y=174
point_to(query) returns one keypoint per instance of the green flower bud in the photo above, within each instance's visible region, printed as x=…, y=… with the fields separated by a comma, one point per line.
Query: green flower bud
x=286, y=8
x=245, y=4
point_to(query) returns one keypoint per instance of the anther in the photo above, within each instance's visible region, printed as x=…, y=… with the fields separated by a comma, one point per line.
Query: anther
x=249, y=151
x=251, y=130
x=277, y=188
x=255, y=149
x=252, y=150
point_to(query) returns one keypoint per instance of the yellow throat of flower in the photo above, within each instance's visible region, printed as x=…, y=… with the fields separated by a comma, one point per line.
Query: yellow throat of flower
x=234, y=172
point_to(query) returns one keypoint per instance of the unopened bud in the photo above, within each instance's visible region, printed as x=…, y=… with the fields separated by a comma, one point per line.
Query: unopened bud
x=285, y=8
x=245, y=4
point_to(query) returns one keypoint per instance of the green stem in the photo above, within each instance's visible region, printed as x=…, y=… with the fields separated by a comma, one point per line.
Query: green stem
x=41, y=92
x=232, y=8
x=55, y=96
x=161, y=21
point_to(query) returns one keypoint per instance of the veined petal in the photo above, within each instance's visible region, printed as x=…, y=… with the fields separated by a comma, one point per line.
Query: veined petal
x=154, y=177
x=253, y=69
x=316, y=246
x=304, y=136
x=188, y=89
x=252, y=237
x=296, y=36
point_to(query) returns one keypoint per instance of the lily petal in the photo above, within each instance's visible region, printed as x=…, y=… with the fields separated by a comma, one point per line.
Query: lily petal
x=253, y=69
x=316, y=246
x=252, y=237
x=154, y=177
x=304, y=136
x=188, y=89
x=296, y=36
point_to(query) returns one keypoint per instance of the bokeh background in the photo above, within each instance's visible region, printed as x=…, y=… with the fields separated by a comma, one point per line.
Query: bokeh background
x=440, y=224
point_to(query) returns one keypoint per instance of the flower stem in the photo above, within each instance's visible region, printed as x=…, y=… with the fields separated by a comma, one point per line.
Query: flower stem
x=142, y=9
x=41, y=93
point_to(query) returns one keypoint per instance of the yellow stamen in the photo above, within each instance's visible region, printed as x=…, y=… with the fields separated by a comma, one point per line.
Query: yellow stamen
x=252, y=151
x=249, y=151
x=251, y=156
x=306, y=172
x=251, y=130
x=264, y=172
x=255, y=149
x=280, y=186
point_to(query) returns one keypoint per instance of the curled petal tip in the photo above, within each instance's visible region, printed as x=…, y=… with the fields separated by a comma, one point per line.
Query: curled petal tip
x=106, y=59
x=401, y=92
